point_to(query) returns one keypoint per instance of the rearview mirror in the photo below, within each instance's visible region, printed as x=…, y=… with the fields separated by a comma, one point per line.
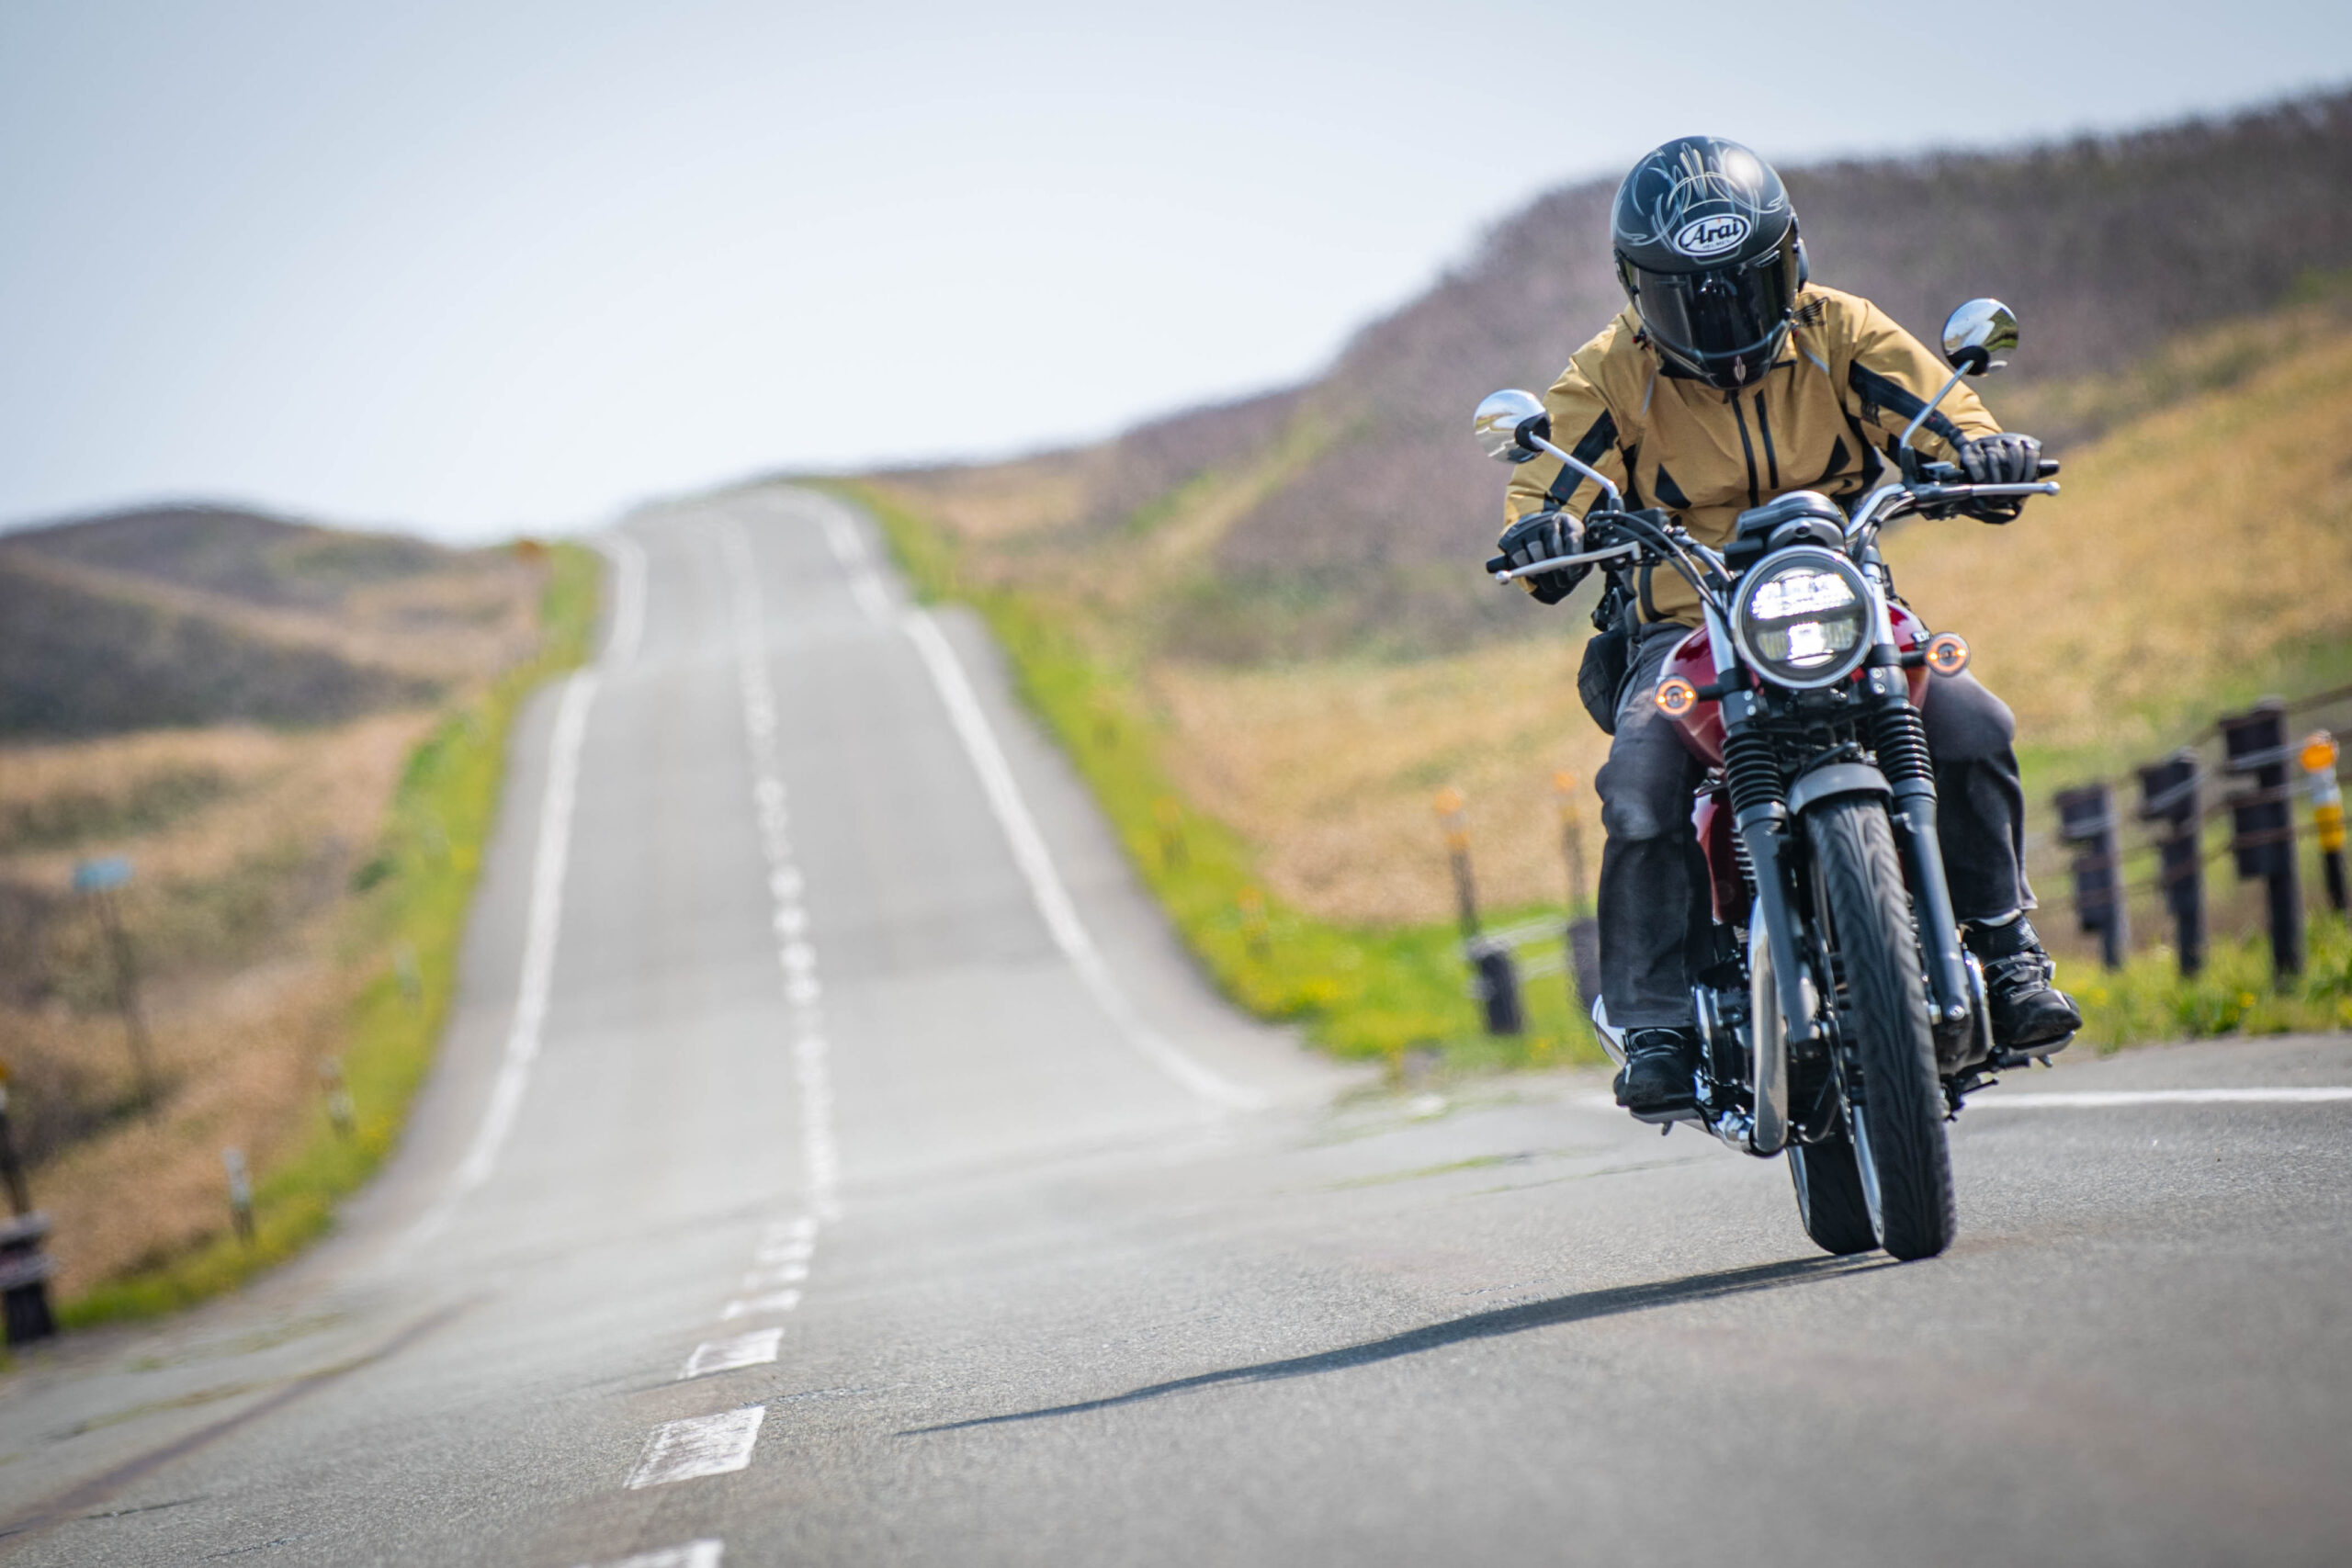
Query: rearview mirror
x=1976, y=334
x=1497, y=424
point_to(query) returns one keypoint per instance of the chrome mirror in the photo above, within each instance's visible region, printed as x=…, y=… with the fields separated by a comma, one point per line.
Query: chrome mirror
x=1977, y=334
x=1497, y=420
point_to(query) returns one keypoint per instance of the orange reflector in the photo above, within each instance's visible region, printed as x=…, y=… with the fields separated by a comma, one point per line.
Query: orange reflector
x=1676, y=696
x=1947, y=653
x=2319, y=752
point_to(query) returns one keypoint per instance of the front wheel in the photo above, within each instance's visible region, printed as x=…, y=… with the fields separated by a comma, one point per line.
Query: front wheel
x=1829, y=1196
x=1897, y=1122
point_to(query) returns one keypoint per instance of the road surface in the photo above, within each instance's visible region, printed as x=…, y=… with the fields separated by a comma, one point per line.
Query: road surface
x=833, y=1161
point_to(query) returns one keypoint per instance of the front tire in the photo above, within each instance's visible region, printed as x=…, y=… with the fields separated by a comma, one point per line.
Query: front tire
x=1829, y=1196
x=1898, y=1127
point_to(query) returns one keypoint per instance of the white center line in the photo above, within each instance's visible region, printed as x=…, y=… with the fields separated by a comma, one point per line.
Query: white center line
x=782, y=1274
x=754, y=1306
x=693, y=1554
x=790, y=1252
x=703, y=1445
x=756, y=1348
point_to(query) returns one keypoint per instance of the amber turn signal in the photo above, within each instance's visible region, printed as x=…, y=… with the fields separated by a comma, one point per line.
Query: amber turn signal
x=1676, y=696
x=1947, y=653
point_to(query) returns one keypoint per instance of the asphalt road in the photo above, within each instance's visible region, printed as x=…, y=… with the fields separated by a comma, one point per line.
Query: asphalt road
x=833, y=1160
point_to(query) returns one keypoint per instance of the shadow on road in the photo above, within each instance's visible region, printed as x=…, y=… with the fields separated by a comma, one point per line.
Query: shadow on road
x=1578, y=1308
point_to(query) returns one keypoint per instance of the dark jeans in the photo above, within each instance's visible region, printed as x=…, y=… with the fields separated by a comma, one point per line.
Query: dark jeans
x=1653, y=883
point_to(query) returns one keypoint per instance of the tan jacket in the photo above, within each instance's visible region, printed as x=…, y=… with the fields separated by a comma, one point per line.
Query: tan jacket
x=1847, y=380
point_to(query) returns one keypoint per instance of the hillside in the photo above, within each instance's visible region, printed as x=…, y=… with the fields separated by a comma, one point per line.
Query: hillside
x=234, y=703
x=186, y=615
x=1340, y=516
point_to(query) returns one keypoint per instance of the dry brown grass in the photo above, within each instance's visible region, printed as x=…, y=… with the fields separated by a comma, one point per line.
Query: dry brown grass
x=2194, y=551
x=2204, y=548
x=245, y=842
x=234, y=917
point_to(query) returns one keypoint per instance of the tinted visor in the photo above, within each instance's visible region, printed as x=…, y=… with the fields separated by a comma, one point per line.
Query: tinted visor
x=1722, y=312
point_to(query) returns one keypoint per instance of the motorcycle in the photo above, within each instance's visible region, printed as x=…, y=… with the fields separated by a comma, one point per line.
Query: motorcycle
x=1841, y=1020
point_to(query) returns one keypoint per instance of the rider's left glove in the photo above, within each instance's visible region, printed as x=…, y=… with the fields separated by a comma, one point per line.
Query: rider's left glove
x=2003, y=459
x=1544, y=536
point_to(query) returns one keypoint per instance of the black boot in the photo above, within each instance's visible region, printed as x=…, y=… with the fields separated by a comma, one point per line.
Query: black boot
x=2030, y=1014
x=1656, y=1076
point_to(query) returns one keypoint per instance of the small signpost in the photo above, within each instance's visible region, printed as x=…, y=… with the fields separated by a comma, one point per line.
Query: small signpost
x=24, y=1269
x=2327, y=811
x=1493, y=975
x=99, y=881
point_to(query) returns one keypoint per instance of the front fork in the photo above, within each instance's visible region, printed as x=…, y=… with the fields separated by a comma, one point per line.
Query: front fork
x=1901, y=744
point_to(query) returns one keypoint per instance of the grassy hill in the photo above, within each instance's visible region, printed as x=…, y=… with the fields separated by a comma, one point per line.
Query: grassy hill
x=179, y=615
x=1286, y=647
x=292, y=732
x=1337, y=517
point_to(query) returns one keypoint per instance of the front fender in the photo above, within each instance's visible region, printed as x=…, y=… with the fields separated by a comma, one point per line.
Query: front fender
x=1835, y=781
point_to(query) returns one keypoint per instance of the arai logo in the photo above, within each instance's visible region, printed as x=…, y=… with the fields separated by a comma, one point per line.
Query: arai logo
x=1711, y=236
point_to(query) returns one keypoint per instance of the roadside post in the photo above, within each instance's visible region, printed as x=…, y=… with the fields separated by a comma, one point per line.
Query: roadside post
x=2087, y=822
x=240, y=1193
x=1493, y=981
x=24, y=1269
x=2169, y=796
x=1583, y=934
x=99, y=880
x=2262, y=823
x=342, y=1114
x=2327, y=811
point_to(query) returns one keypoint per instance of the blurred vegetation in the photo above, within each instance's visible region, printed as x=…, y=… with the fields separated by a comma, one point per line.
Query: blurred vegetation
x=2236, y=994
x=402, y=935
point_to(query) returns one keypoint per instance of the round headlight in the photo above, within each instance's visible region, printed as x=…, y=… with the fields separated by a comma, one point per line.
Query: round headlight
x=1803, y=617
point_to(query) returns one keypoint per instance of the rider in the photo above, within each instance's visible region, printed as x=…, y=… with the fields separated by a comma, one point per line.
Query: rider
x=1728, y=381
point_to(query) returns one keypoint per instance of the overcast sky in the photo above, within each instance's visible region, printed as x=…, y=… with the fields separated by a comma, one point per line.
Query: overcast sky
x=470, y=269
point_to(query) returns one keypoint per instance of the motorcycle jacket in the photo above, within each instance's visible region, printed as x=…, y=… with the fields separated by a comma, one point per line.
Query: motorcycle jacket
x=1824, y=416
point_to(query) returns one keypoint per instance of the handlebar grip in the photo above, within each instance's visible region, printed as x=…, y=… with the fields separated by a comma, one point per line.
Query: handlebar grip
x=2046, y=468
x=1500, y=563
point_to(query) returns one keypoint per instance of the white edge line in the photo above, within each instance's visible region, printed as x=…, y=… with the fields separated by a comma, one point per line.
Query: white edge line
x=1045, y=887
x=2101, y=1099
x=704, y=1553
x=542, y=926
x=628, y=599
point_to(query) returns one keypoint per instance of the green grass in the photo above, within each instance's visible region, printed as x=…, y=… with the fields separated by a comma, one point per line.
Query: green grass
x=404, y=933
x=2236, y=994
x=1358, y=992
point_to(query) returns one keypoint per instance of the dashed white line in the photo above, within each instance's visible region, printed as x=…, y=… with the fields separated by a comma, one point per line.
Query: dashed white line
x=693, y=1554
x=702, y=1445
x=782, y=1274
x=759, y=1306
x=756, y=1348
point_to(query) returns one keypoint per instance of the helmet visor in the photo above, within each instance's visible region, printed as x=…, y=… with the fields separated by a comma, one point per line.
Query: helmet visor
x=1720, y=312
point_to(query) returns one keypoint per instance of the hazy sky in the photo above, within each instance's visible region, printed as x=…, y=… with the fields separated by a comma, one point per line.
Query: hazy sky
x=477, y=268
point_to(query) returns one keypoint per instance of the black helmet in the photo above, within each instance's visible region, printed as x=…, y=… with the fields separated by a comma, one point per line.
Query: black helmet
x=1707, y=249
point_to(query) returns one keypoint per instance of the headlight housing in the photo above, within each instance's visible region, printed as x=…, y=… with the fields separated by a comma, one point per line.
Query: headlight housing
x=1803, y=618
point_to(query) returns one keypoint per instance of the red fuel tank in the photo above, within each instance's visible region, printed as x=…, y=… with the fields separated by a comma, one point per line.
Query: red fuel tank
x=1693, y=658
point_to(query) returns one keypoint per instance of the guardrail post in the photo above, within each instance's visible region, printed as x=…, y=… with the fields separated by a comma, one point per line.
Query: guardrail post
x=1583, y=932
x=2087, y=821
x=2327, y=811
x=2169, y=796
x=2262, y=823
x=1490, y=967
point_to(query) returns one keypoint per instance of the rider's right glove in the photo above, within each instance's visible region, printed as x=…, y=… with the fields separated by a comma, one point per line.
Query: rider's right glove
x=1544, y=536
x=2003, y=459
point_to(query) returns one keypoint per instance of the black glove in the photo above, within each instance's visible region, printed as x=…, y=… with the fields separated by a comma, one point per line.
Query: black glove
x=2002, y=460
x=1544, y=536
